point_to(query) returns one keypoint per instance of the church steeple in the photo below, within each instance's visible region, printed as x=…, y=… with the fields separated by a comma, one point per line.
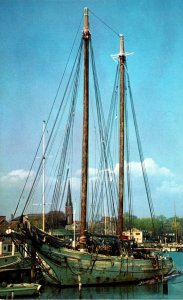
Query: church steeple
x=69, y=207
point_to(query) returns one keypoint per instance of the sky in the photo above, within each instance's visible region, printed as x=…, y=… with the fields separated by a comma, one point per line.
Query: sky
x=36, y=38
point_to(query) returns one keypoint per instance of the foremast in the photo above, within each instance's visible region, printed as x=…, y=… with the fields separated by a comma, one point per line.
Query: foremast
x=84, y=180
x=121, y=137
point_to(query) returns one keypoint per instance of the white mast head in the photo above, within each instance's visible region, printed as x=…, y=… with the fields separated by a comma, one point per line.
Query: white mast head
x=121, y=46
x=86, y=27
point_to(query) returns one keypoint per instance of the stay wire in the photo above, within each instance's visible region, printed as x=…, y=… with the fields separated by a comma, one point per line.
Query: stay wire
x=109, y=27
x=97, y=187
x=102, y=128
x=61, y=142
x=64, y=152
x=49, y=116
x=104, y=161
x=146, y=182
x=56, y=119
x=128, y=169
x=59, y=111
x=69, y=125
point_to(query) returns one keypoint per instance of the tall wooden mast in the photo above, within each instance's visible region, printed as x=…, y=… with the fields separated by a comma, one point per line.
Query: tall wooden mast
x=86, y=37
x=121, y=138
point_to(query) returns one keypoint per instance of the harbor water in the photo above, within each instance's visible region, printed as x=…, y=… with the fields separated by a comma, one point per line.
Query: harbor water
x=174, y=289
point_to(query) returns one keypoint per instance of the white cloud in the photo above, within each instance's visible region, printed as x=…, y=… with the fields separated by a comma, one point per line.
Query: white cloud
x=152, y=168
x=75, y=183
x=91, y=171
x=16, y=176
x=170, y=187
x=116, y=168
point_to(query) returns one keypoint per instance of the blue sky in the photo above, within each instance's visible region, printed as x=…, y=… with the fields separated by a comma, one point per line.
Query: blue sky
x=36, y=37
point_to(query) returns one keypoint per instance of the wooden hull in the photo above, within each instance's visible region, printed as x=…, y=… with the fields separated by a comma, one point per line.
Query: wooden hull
x=71, y=268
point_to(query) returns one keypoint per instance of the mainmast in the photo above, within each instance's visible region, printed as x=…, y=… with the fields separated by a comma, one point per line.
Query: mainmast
x=121, y=138
x=86, y=37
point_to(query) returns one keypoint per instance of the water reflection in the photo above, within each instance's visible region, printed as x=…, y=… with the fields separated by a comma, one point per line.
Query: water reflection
x=111, y=292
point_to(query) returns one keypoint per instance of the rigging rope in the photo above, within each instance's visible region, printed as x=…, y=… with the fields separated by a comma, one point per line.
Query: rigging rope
x=52, y=131
x=63, y=155
x=128, y=170
x=49, y=116
x=109, y=27
x=106, y=159
x=144, y=172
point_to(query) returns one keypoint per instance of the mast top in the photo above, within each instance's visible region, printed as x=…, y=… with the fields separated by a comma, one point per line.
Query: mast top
x=86, y=27
x=121, y=41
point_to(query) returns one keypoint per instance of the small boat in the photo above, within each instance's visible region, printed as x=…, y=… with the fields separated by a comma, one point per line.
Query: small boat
x=19, y=289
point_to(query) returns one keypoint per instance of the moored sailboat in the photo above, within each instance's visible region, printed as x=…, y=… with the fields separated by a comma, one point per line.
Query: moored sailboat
x=70, y=267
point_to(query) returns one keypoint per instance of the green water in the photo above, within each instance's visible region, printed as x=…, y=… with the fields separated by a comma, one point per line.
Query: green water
x=175, y=289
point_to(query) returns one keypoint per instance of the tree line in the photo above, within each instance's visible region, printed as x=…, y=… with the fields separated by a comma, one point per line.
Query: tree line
x=162, y=224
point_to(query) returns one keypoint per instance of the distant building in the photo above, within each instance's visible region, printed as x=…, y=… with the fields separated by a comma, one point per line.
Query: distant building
x=135, y=234
x=69, y=207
